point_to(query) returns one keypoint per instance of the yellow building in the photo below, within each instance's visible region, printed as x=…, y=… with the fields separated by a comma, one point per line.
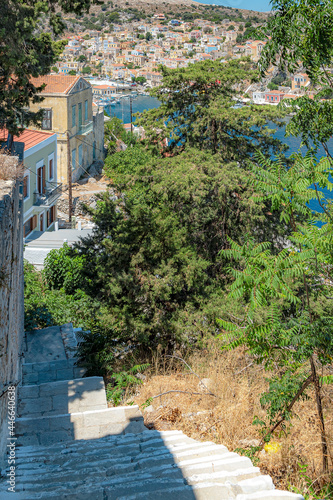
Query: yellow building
x=68, y=112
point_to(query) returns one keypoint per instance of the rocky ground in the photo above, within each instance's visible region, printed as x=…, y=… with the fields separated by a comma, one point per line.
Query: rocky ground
x=84, y=192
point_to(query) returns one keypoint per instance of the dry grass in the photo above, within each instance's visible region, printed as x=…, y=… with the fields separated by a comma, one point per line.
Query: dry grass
x=227, y=418
x=10, y=167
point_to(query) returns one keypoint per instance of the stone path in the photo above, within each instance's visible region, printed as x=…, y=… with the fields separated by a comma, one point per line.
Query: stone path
x=71, y=446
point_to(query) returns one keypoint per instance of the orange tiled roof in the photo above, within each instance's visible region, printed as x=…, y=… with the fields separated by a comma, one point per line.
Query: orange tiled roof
x=30, y=138
x=58, y=84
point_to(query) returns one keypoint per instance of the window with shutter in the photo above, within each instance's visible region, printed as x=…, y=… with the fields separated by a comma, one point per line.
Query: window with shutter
x=43, y=179
x=73, y=115
x=47, y=119
x=26, y=187
x=40, y=180
x=86, y=110
x=51, y=168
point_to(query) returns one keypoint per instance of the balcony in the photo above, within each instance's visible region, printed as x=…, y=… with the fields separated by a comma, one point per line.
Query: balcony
x=85, y=128
x=52, y=193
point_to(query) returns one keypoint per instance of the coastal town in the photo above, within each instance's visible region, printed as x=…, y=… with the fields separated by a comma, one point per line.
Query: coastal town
x=133, y=51
x=166, y=248
x=100, y=69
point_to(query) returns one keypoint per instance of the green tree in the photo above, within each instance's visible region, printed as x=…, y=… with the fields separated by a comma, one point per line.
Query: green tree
x=86, y=70
x=288, y=317
x=141, y=79
x=148, y=36
x=72, y=72
x=63, y=269
x=301, y=36
x=152, y=260
x=200, y=111
x=55, y=69
x=272, y=86
x=27, y=52
x=82, y=58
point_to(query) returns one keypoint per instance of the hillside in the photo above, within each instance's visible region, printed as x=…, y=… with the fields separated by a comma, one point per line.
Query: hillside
x=121, y=11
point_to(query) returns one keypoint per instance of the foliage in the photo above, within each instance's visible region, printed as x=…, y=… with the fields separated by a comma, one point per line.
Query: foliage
x=140, y=79
x=309, y=491
x=199, y=111
x=27, y=52
x=291, y=288
x=301, y=38
x=152, y=259
x=123, y=380
x=46, y=307
x=113, y=131
x=250, y=453
x=272, y=86
x=63, y=269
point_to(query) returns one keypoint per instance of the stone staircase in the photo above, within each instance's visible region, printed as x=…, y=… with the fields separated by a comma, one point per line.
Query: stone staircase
x=71, y=446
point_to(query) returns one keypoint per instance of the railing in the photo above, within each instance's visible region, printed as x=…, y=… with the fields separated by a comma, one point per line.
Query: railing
x=85, y=128
x=51, y=193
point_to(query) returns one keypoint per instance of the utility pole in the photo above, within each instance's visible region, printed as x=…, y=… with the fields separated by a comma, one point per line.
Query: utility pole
x=69, y=175
x=131, y=114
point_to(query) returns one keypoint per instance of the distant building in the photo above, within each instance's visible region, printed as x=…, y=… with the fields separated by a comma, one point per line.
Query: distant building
x=300, y=80
x=258, y=97
x=69, y=113
x=273, y=96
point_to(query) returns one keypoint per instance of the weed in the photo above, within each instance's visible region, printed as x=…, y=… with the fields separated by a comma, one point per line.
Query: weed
x=121, y=381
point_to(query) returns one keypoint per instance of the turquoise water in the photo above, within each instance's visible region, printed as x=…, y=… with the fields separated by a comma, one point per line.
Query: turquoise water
x=139, y=104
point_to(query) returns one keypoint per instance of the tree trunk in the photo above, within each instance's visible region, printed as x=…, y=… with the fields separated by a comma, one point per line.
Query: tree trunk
x=320, y=415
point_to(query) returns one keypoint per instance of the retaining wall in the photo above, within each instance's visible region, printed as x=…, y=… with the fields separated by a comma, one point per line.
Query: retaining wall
x=11, y=296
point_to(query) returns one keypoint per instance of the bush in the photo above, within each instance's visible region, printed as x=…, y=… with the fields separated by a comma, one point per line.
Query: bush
x=63, y=269
x=272, y=86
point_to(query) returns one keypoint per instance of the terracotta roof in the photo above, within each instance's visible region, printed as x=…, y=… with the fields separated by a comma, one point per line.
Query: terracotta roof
x=29, y=137
x=58, y=84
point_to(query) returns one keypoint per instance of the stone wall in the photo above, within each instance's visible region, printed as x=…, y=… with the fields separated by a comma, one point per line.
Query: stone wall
x=11, y=293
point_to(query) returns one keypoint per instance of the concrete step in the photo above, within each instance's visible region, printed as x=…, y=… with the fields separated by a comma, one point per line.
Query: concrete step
x=167, y=438
x=270, y=495
x=51, y=371
x=100, y=456
x=74, y=469
x=48, y=430
x=62, y=397
x=70, y=446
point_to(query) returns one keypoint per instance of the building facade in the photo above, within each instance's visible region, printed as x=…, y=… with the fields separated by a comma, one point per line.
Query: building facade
x=68, y=112
x=38, y=152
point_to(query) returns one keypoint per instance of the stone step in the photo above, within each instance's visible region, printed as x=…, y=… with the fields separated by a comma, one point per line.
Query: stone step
x=108, y=467
x=59, y=398
x=48, y=430
x=51, y=371
x=270, y=495
x=101, y=456
x=167, y=438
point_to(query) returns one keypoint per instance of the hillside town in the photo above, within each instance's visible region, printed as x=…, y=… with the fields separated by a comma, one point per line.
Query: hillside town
x=99, y=68
x=134, y=51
